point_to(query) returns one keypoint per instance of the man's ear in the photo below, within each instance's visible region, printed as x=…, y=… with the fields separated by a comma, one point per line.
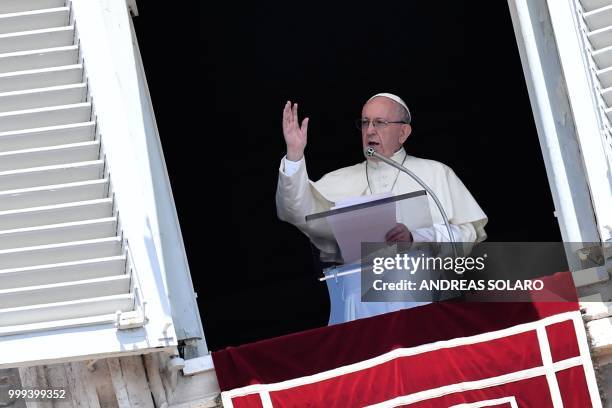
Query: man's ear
x=406, y=131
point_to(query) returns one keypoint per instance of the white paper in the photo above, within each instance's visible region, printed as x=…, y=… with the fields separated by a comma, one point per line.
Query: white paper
x=345, y=202
x=369, y=224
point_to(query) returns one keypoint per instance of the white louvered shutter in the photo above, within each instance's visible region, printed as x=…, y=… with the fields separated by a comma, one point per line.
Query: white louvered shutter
x=566, y=50
x=69, y=286
x=61, y=252
x=583, y=33
x=595, y=19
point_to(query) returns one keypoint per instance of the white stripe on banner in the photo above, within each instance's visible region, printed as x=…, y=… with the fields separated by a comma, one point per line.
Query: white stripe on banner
x=266, y=401
x=589, y=372
x=475, y=385
x=489, y=403
x=547, y=363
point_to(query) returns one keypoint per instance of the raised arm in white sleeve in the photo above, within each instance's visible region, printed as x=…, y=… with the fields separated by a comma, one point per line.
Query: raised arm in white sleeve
x=289, y=168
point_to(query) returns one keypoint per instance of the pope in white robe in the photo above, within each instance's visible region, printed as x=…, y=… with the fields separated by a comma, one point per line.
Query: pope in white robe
x=385, y=125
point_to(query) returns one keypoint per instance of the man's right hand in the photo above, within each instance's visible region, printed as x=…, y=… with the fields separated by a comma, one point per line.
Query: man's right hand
x=295, y=136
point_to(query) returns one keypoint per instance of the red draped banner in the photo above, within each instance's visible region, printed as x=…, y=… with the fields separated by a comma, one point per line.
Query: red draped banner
x=461, y=355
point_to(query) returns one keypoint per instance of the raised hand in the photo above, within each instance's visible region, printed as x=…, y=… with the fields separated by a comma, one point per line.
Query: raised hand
x=295, y=135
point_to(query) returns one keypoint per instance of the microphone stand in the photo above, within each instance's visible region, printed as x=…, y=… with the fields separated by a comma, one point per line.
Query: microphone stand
x=370, y=152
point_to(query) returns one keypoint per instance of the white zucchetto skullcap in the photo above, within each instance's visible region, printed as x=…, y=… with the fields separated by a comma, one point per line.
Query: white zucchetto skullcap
x=396, y=99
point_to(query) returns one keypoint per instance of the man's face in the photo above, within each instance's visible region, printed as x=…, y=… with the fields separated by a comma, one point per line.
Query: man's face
x=385, y=139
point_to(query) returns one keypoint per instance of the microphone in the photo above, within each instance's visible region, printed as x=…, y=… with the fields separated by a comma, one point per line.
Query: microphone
x=371, y=152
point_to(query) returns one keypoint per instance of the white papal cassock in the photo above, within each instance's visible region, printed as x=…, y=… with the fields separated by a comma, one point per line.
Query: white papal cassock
x=297, y=197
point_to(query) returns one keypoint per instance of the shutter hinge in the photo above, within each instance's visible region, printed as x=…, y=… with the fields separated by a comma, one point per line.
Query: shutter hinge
x=130, y=320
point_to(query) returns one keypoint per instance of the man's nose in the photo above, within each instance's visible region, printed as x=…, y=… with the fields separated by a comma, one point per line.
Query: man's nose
x=371, y=129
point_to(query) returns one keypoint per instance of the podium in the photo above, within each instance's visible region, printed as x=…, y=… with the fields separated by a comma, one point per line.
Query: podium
x=357, y=226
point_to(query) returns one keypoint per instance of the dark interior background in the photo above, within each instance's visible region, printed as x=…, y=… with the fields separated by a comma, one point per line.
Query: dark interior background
x=220, y=77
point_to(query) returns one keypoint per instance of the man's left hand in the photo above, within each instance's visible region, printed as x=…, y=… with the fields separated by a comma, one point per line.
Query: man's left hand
x=399, y=233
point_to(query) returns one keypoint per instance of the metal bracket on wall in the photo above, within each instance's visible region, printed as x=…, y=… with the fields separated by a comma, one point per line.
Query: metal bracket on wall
x=131, y=320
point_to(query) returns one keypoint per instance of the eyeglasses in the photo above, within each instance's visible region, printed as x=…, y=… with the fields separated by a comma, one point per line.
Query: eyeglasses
x=364, y=124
